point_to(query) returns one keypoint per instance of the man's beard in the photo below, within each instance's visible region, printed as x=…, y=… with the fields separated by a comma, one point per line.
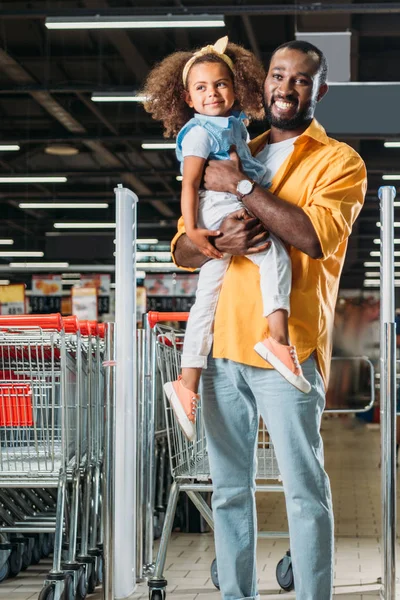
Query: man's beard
x=301, y=118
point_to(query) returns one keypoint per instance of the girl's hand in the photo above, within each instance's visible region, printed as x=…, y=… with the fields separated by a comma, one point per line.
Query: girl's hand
x=200, y=238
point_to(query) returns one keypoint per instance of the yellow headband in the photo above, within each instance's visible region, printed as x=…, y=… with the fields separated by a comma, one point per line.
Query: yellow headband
x=218, y=49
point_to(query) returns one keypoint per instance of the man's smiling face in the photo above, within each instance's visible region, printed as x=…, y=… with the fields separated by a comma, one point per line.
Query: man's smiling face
x=292, y=89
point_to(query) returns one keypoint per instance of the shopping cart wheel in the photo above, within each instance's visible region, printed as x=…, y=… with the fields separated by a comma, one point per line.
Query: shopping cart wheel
x=26, y=556
x=82, y=587
x=15, y=560
x=91, y=578
x=157, y=595
x=100, y=561
x=4, y=571
x=157, y=588
x=37, y=551
x=46, y=545
x=284, y=573
x=68, y=592
x=47, y=592
x=214, y=573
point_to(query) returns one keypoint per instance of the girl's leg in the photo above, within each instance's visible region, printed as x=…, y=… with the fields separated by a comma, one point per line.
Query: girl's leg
x=182, y=393
x=275, y=282
x=275, y=278
x=278, y=325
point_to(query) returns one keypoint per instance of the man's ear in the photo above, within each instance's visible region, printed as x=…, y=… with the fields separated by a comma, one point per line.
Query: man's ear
x=187, y=98
x=322, y=91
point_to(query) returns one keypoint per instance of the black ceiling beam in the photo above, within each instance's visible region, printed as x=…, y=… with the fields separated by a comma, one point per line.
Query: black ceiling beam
x=214, y=9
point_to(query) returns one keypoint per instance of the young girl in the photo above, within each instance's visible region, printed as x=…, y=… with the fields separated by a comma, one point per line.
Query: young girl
x=199, y=98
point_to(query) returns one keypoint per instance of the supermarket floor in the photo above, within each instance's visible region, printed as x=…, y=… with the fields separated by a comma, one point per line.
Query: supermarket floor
x=352, y=461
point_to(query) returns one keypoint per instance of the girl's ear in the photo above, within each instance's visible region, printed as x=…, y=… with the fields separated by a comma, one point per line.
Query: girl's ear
x=187, y=98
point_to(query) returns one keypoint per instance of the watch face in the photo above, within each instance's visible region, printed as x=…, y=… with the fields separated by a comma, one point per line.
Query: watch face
x=244, y=186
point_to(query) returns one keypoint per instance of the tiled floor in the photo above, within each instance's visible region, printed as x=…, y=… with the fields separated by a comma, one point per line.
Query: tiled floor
x=352, y=460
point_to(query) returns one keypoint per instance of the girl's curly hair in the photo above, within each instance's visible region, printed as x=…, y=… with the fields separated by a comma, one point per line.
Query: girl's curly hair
x=164, y=87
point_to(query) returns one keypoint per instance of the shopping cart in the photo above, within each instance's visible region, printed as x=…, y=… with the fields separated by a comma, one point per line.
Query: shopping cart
x=49, y=425
x=189, y=460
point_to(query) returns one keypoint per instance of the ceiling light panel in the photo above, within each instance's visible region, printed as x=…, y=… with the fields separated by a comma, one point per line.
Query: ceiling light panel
x=114, y=97
x=54, y=205
x=11, y=253
x=39, y=265
x=84, y=225
x=129, y=22
x=158, y=145
x=33, y=179
x=9, y=148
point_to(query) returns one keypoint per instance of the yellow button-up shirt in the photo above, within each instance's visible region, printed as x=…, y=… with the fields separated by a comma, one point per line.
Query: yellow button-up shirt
x=327, y=179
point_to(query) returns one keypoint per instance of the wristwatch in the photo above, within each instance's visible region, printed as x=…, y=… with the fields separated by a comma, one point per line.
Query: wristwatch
x=244, y=188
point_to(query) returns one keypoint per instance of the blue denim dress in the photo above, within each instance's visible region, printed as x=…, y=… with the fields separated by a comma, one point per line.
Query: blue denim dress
x=225, y=132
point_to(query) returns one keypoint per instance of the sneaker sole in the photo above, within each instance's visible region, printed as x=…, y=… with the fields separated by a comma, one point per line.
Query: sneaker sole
x=186, y=425
x=299, y=383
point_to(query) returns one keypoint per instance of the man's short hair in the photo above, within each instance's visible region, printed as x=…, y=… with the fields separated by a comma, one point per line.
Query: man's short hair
x=307, y=48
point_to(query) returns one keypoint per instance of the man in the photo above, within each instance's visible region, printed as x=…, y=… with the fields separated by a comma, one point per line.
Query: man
x=317, y=187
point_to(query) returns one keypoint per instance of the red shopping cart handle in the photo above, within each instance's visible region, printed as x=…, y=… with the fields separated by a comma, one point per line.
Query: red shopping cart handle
x=159, y=317
x=101, y=329
x=53, y=321
x=88, y=328
x=71, y=324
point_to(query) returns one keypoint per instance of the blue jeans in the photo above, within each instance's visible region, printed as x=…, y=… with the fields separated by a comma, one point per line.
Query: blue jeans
x=233, y=397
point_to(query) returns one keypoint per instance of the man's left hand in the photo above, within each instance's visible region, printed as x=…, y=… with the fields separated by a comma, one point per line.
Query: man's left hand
x=224, y=175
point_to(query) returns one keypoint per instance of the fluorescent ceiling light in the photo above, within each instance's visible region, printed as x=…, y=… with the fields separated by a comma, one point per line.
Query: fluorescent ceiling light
x=158, y=145
x=377, y=274
x=395, y=224
x=115, y=97
x=51, y=205
x=376, y=282
x=179, y=177
x=6, y=242
x=39, y=265
x=32, y=179
x=61, y=150
x=9, y=147
x=155, y=265
x=378, y=241
x=131, y=22
x=391, y=177
x=4, y=281
x=11, y=253
x=159, y=254
x=84, y=225
x=392, y=144
x=147, y=241
x=377, y=253
x=378, y=264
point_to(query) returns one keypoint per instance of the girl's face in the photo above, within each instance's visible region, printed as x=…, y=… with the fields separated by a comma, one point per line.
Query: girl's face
x=210, y=89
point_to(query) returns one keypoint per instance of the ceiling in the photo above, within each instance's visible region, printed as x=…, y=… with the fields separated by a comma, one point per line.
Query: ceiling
x=47, y=79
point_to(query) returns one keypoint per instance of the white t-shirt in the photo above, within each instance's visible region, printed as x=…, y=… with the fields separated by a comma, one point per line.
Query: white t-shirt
x=197, y=142
x=273, y=156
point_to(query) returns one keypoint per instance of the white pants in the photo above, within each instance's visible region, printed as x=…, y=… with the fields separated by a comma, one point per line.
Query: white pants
x=275, y=280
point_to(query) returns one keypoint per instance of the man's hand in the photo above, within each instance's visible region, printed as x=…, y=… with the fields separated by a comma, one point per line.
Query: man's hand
x=200, y=237
x=241, y=234
x=224, y=175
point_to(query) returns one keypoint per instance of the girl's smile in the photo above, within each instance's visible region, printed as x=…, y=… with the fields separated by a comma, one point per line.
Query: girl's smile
x=210, y=89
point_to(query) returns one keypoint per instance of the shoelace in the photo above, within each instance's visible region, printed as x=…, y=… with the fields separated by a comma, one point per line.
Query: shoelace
x=293, y=354
x=194, y=405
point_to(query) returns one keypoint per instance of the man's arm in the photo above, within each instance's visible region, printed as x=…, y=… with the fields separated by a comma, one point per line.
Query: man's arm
x=240, y=235
x=287, y=221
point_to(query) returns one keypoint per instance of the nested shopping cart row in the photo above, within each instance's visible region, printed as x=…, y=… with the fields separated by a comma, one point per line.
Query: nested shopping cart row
x=51, y=450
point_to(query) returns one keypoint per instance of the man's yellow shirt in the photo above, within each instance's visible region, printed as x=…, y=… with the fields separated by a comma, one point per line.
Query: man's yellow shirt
x=327, y=179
